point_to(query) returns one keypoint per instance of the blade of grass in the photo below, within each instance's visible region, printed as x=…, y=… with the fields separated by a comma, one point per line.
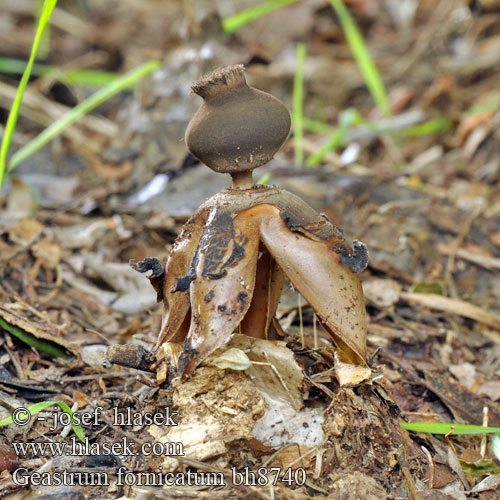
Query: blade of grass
x=317, y=127
x=426, y=128
x=48, y=7
x=44, y=48
x=42, y=405
x=490, y=105
x=346, y=119
x=41, y=344
x=298, y=98
x=441, y=428
x=78, y=77
x=264, y=179
x=233, y=23
x=102, y=95
x=362, y=56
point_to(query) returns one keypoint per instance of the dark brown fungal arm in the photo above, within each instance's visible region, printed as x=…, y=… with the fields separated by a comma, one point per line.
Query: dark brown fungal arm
x=157, y=276
x=176, y=315
x=184, y=282
x=223, y=288
x=299, y=217
x=358, y=259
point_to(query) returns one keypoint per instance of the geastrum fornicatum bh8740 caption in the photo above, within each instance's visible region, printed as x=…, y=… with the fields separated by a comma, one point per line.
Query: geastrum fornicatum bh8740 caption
x=225, y=271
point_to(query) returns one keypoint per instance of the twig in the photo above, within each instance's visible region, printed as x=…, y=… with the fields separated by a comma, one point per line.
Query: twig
x=454, y=306
x=409, y=481
x=299, y=305
x=40, y=106
x=280, y=378
x=448, y=276
x=490, y=263
x=15, y=360
x=275, y=454
x=484, y=439
x=431, y=466
x=83, y=378
x=22, y=249
x=62, y=19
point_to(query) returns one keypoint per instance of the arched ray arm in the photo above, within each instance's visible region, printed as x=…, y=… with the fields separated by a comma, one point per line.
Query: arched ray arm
x=331, y=287
x=223, y=287
x=180, y=265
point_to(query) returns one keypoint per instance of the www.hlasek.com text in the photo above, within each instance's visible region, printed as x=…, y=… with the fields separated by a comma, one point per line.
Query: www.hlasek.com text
x=74, y=447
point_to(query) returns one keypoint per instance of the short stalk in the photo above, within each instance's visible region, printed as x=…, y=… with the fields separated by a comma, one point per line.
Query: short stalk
x=242, y=180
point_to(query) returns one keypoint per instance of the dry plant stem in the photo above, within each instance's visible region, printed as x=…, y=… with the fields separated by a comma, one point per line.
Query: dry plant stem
x=431, y=466
x=15, y=361
x=490, y=263
x=43, y=110
x=484, y=439
x=454, y=306
x=23, y=249
x=409, y=481
x=448, y=278
x=242, y=180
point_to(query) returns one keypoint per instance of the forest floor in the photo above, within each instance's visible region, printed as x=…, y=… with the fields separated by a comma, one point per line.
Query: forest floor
x=420, y=187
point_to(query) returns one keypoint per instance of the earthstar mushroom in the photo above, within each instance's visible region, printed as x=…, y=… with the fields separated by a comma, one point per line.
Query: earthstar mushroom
x=225, y=271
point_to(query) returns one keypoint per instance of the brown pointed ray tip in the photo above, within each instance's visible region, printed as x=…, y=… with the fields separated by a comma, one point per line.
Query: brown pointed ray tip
x=220, y=79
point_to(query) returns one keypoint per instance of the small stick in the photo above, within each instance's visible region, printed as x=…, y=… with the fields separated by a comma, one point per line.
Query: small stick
x=484, y=439
x=410, y=483
x=133, y=356
x=431, y=466
x=23, y=249
x=299, y=302
x=315, y=331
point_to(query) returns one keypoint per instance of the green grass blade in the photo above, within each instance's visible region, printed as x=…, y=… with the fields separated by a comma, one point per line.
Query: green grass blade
x=233, y=23
x=43, y=345
x=426, y=128
x=42, y=405
x=48, y=7
x=362, y=57
x=44, y=48
x=121, y=83
x=317, y=127
x=346, y=119
x=77, y=77
x=298, y=100
x=264, y=179
x=441, y=428
x=491, y=105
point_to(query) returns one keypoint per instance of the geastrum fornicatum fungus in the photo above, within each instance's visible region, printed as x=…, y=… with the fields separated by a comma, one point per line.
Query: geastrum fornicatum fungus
x=225, y=271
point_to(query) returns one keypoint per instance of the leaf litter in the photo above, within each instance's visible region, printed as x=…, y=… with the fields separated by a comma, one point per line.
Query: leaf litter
x=427, y=206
